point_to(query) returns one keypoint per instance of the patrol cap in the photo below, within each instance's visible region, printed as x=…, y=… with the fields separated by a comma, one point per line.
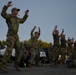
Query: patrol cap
x=13, y=9
x=36, y=32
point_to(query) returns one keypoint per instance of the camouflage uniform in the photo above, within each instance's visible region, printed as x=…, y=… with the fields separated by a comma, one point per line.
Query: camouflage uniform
x=50, y=53
x=63, y=49
x=34, y=48
x=55, y=52
x=70, y=48
x=12, y=34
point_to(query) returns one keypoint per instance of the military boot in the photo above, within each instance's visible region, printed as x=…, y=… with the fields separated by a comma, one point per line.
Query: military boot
x=3, y=67
x=16, y=65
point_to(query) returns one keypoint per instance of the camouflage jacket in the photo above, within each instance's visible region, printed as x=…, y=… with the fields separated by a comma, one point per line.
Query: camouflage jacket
x=63, y=43
x=34, y=40
x=56, y=40
x=12, y=21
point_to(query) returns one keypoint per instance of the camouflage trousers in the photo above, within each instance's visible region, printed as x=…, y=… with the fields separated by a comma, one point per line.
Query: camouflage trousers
x=54, y=55
x=12, y=42
x=63, y=55
x=34, y=56
x=69, y=51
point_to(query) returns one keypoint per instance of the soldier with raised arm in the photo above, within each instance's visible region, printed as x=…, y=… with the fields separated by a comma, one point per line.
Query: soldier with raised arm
x=55, y=51
x=12, y=35
x=70, y=43
x=35, y=46
x=62, y=47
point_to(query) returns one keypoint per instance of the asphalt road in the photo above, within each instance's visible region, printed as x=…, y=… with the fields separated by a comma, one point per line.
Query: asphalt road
x=42, y=70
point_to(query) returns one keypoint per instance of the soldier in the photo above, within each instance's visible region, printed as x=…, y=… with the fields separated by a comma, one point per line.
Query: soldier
x=70, y=47
x=55, y=51
x=35, y=46
x=25, y=56
x=50, y=53
x=12, y=35
x=63, y=47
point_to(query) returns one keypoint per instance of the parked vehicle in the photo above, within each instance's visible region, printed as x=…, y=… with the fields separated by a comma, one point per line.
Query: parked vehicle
x=42, y=55
x=2, y=51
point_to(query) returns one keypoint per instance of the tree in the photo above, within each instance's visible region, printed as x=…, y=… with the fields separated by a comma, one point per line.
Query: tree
x=3, y=42
x=44, y=45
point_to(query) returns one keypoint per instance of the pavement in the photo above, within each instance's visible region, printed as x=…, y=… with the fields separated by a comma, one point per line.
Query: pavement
x=45, y=69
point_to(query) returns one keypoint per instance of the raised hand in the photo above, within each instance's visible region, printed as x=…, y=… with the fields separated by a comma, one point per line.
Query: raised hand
x=9, y=4
x=26, y=12
x=62, y=30
x=34, y=26
x=55, y=27
x=38, y=27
